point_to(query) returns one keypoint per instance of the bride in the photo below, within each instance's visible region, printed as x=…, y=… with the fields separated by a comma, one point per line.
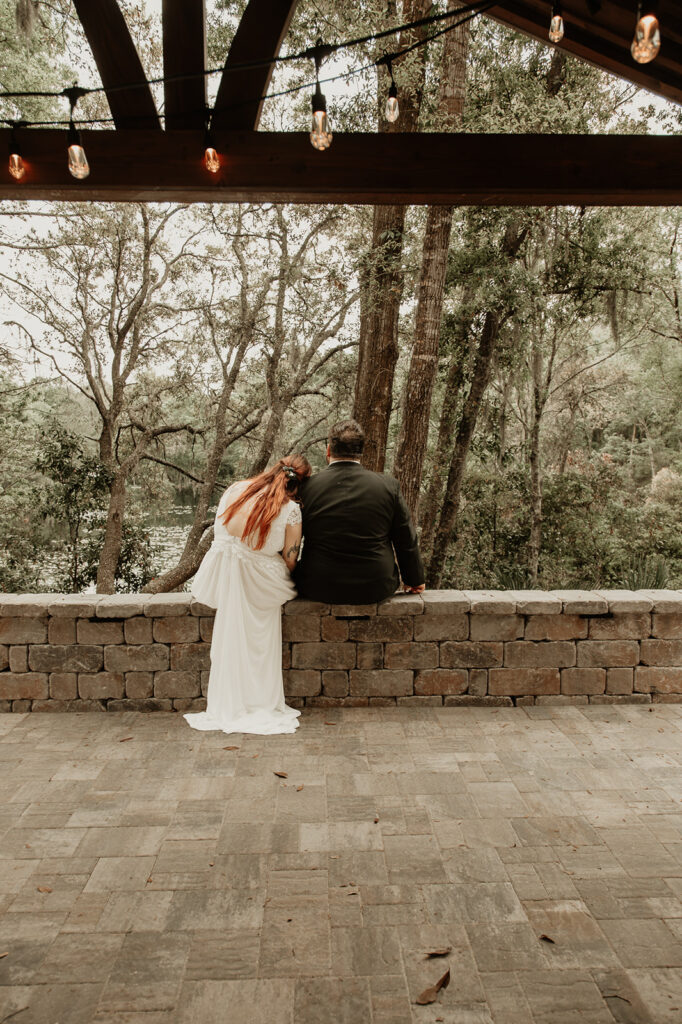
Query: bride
x=246, y=576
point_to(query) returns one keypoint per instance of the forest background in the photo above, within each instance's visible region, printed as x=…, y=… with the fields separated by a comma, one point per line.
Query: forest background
x=518, y=370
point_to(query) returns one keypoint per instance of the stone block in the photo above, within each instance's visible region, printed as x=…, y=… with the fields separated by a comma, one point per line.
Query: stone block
x=628, y=626
x=138, y=630
x=71, y=658
x=626, y=698
x=206, y=628
x=62, y=631
x=441, y=680
x=177, y=684
x=562, y=700
x=205, y=677
x=100, y=685
x=516, y=681
x=176, y=629
x=582, y=602
x=496, y=627
x=607, y=653
x=335, y=683
x=382, y=628
x=302, y=628
x=665, y=602
x=302, y=683
x=89, y=631
x=332, y=629
x=23, y=686
x=139, y=684
x=491, y=602
x=470, y=655
x=380, y=683
x=336, y=702
x=119, y=606
x=401, y=604
x=411, y=655
x=547, y=654
x=21, y=706
x=286, y=655
x=620, y=680
x=190, y=657
x=5, y=707
x=445, y=602
x=137, y=658
x=526, y=700
x=667, y=679
x=25, y=606
x=667, y=626
x=53, y=705
x=350, y=610
x=556, y=627
x=661, y=652
x=666, y=698
x=583, y=680
x=167, y=605
x=423, y=701
x=370, y=655
x=383, y=702
x=478, y=682
x=74, y=606
x=627, y=601
x=202, y=610
x=191, y=704
x=442, y=627
x=537, y=602
x=4, y=657
x=141, y=704
x=18, y=658
x=301, y=606
x=468, y=700
x=63, y=686
x=23, y=630
x=323, y=655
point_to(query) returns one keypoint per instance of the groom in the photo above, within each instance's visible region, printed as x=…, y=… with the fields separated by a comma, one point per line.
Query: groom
x=353, y=522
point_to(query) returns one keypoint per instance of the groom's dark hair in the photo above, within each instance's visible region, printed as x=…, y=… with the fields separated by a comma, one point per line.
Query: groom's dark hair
x=346, y=439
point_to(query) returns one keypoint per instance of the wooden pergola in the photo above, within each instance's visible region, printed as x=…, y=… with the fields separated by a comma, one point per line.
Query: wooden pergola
x=142, y=161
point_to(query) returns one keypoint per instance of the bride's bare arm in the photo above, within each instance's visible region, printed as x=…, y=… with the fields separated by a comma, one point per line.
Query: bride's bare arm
x=292, y=544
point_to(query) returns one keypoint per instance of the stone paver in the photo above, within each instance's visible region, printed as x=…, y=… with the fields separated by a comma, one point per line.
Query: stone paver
x=149, y=873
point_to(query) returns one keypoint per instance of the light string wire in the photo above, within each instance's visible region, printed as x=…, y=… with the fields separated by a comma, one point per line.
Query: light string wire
x=318, y=52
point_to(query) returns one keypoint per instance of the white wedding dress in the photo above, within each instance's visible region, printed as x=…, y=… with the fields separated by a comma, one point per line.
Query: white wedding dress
x=248, y=588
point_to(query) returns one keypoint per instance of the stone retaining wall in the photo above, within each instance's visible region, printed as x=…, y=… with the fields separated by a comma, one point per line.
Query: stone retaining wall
x=149, y=653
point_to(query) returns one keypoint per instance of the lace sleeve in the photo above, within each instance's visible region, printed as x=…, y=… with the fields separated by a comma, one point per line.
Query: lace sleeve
x=294, y=514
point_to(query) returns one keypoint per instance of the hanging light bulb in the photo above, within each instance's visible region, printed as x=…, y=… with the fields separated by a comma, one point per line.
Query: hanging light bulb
x=211, y=160
x=17, y=167
x=556, y=25
x=392, y=108
x=647, y=40
x=320, y=136
x=78, y=162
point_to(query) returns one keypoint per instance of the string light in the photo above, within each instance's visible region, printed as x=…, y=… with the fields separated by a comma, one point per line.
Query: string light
x=211, y=157
x=392, y=109
x=77, y=162
x=647, y=40
x=17, y=167
x=556, y=25
x=320, y=135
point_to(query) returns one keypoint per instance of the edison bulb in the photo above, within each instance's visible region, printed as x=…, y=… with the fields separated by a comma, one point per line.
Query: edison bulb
x=556, y=28
x=211, y=160
x=647, y=41
x=78, y=162
x=320, y=136
x=392, y=108
x=16, y=166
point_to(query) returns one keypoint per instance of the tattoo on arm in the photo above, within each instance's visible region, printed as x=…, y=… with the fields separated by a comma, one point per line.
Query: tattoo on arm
x=293, y=550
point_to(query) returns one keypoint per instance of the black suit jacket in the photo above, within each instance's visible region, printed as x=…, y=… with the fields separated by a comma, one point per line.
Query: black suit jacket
x=353, y=521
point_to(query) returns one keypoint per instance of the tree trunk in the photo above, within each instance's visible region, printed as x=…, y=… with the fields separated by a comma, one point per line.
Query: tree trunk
x=378, y=343
x=113, y=536
x=535, y=474
x=409, y=462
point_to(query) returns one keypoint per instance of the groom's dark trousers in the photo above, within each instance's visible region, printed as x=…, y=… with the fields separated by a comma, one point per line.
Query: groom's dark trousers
x=353, y=522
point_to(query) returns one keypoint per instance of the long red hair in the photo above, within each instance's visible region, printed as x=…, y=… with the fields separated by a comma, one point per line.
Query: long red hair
x=272, y=488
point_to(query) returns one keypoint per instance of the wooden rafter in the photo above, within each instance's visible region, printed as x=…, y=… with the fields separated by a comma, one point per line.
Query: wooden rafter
x=118, y=64
x=184, y=53
x=263, y=26
x=434, y=168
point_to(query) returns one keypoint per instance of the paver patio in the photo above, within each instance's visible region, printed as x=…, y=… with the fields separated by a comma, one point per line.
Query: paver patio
x=149, y=873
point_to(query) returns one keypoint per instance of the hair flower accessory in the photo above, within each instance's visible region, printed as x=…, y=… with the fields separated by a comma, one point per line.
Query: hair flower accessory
x=290, y=472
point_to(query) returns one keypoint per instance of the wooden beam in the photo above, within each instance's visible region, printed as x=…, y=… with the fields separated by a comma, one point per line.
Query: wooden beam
x=604, y=39
x=433, y=168
x=263, y=26
x=118, y=64
x=184, y=53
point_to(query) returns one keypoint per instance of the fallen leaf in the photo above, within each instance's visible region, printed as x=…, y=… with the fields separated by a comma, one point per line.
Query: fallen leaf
x=125, y=738
x=256, y=755
x=299, y=788
x=4, y=954
x=375, y=820
x=149, y=879
x=330, y=723
x=440, y=952
x=44, y=888
x=211, y=863
x=429, y=995
x=281, y=775
x=546, y=938
x=230, y=748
